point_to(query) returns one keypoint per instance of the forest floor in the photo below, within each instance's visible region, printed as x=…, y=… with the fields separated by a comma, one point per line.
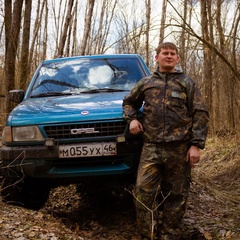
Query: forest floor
x=213, y=207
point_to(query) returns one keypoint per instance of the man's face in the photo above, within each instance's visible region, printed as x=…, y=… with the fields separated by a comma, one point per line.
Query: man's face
x=167, y=60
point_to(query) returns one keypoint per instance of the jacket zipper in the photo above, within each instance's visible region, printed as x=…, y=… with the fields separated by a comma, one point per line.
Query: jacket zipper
x=164, y=104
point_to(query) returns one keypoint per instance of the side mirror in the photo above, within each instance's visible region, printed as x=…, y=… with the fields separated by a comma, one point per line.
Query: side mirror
x=16, y=95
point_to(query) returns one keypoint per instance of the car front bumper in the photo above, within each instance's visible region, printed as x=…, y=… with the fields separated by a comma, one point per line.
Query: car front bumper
x=43, y=162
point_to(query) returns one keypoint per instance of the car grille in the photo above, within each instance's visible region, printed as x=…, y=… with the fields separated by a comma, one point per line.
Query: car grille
x=100, y=130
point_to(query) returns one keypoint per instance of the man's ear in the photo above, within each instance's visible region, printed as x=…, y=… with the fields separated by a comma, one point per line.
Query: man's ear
x=178, y=59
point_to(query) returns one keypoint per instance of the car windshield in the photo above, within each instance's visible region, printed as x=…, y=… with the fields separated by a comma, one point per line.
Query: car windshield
x=86, y=75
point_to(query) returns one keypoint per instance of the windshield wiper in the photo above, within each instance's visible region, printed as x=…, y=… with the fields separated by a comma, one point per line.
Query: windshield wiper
x=56, y=82
x=97, y=90
x=50, y=94
x=111, y=90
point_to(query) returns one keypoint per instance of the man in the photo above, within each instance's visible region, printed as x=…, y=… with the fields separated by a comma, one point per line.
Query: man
x=174, y=127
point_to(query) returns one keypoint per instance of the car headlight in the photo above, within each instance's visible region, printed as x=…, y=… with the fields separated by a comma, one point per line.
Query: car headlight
x=22, y=134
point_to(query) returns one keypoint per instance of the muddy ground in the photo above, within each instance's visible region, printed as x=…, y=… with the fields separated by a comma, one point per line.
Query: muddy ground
x=213, y=213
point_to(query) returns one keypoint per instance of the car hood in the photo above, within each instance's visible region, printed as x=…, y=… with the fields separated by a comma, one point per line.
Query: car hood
x=84, y=107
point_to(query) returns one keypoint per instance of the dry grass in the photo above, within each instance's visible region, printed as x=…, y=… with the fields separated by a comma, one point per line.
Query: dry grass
x=219, y=169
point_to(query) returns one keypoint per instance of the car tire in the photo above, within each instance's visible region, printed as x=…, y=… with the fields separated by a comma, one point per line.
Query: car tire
x=28, y=194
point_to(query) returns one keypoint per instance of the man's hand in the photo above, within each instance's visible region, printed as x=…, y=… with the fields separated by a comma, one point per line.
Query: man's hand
x=135, y=127
x=193, y=155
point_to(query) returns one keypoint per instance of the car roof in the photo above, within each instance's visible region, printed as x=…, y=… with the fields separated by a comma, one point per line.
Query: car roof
x=100, y=56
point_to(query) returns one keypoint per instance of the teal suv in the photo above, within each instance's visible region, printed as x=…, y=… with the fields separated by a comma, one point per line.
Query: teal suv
x=68, y=127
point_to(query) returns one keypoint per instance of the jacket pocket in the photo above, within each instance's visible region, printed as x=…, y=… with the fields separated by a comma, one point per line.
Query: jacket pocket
x=178, y=99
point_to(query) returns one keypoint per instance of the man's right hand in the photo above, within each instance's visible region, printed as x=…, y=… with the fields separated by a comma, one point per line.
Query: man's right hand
x=135, y=127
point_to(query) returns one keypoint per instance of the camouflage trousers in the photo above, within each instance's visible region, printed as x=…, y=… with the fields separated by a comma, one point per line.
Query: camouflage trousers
x=162, y=188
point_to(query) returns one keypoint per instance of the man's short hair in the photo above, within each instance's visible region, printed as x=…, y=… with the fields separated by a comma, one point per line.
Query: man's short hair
x=166, y=45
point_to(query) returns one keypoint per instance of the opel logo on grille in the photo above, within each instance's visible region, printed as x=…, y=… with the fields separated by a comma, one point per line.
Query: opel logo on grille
x=83, y=130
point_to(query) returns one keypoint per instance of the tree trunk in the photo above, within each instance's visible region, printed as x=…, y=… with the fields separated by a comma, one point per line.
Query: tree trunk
x=37, y=24
x=205, y=8
x=66, y=28
x=182, y=49
x=12, y=40
x=163, y=20
x=99, y=35
x=45, y=33
x=74, y=45
x=87, y=26
x=107, y=28
x=24, y=67
x=148, y=21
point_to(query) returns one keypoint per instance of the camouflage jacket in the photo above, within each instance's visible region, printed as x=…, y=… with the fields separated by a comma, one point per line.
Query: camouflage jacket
x=173, y=109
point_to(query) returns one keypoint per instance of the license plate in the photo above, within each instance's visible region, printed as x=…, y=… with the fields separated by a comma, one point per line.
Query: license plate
x=88, y=150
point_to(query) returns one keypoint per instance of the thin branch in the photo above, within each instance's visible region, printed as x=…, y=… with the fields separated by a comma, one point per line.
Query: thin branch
x=208, y=44
x=154, y=209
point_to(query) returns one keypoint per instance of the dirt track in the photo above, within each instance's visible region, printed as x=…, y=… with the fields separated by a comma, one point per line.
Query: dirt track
x=67, y=215
x=213, y=208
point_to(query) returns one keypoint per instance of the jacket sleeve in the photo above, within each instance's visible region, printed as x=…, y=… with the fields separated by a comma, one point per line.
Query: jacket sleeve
x=133, y=102
x=200, y=119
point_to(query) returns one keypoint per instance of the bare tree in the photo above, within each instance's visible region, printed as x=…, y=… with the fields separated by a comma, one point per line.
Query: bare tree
x=66, y=27
x=74, y=37
x=99, y=35
x=207, y=36
x=182, y=48
x=123, y=30
x=220, y=77
x=229, y=83
x=57, y=22
x=131, y=32
x=207, y=73
x=87, y=26
x=1, y=28
x=107, y=25
x=45, y=33
x=233, y=33
x=163, y=21
x=12, y=37
x=37, y=25
x=24, y=67
x=101, y=26
x=148, y=22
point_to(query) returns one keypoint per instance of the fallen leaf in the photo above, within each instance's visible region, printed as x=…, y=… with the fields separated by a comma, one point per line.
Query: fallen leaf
x=208, y=236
